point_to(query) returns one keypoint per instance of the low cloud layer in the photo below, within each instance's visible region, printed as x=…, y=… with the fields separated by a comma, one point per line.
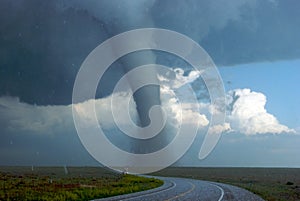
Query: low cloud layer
x=246, y=111
x=18, y=117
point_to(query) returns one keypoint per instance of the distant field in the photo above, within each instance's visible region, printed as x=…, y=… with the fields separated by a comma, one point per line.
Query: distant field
x=86, y=183
x=273, y=184
x=72, y=183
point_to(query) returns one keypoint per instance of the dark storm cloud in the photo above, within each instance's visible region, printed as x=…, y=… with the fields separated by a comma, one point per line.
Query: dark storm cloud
x=236, y=32
x=43, y=43
x=268, y=32
x=42, y=49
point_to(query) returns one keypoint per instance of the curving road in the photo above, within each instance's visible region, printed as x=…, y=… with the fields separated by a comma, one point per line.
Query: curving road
x=189, y=189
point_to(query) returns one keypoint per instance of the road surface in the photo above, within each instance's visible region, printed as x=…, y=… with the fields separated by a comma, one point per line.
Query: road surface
x=189, y=189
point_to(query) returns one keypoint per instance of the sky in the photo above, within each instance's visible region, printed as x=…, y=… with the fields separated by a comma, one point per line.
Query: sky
x=278, y=82
x=255, y=45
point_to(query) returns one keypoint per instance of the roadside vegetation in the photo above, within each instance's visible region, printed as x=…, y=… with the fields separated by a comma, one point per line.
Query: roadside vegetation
x=26, y=183
x=272, y=184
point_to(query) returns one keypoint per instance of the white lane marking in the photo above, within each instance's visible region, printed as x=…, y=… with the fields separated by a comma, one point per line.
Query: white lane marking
x=221, y=189
x=174, y=185
x=184, y=193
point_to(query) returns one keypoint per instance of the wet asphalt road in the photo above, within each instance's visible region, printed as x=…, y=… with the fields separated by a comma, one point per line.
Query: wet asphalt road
x=189, y=189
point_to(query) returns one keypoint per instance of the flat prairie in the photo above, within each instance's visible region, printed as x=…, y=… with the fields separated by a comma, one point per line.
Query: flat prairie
x=80, y=183
x=68, y=183
x=272, y=184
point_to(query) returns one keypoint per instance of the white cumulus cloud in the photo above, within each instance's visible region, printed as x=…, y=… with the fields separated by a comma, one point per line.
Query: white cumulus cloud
x=247, y=114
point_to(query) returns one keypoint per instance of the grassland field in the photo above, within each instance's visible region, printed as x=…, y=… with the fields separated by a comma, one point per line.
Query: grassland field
x=86, y=183
x=272, y=184
x=72, y=183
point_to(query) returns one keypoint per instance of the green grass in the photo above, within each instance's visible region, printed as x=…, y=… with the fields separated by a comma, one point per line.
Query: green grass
x=21, y=183
x=45, y=183
x=269, y=183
